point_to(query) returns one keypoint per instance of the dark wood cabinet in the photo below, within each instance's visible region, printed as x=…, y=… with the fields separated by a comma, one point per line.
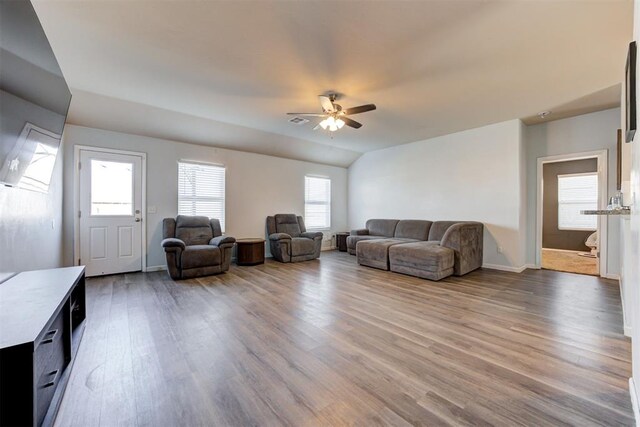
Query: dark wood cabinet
x=249, y=251
x=42, y=319
x=341, y=241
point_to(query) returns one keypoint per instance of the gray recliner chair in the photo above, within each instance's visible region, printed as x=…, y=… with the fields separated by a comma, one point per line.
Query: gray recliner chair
x=289, y=240
x=195, y=246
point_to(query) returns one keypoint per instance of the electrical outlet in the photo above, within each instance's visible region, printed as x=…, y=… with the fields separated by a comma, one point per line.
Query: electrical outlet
x=151, y=209
x=53, y=224
x=500, y=250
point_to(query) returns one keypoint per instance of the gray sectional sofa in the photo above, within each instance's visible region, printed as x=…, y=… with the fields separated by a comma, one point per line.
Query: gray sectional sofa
x=426, y=249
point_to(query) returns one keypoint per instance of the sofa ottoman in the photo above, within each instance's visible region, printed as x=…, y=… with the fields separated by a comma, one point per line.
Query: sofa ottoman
x=427, y=260
x=352, y=241
x=375, y=253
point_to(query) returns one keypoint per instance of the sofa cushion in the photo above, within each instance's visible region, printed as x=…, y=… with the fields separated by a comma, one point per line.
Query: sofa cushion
x=200, y=256
x=302, y=246
x=438, y=228
x=303, y=228
x=193, y=230
x=382, y=227
x=215, y=227
x=413, y=229
x=288, y=223
x=429, y=256
x=352, y=241
x=375, y=253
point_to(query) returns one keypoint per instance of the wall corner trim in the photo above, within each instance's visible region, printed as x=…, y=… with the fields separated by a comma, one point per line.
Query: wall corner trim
x=634, y=400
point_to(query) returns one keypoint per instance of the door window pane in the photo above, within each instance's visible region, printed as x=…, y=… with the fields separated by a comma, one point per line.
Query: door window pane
x=111, y=188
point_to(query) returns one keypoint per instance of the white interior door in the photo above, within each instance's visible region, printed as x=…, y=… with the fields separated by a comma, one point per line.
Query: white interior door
x=110, y=202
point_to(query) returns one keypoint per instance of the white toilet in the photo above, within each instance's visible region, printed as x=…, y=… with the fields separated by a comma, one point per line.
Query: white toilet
x=591, y=242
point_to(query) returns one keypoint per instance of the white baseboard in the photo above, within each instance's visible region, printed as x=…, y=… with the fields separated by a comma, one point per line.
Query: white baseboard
x=627, y=331
x=156, y=268
x=328, y=248
x=506, y=268
x=534, y=267
x=634, y=400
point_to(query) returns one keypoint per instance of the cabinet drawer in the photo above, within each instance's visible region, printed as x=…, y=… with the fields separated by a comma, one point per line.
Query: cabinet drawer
x=51, y=346
x=46, y=388
x=50, y=363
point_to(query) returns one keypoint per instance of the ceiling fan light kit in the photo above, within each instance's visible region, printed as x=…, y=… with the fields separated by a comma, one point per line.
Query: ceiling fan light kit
x=332, y=123
x=334, y=115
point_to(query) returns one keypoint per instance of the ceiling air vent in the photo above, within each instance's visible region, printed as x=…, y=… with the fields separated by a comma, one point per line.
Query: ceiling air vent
x=298, y=121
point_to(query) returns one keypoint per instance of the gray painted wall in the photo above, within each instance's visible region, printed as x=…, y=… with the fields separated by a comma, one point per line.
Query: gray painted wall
x=632, y=249
x=589, y=132
x=31, y=226
x=477, y=175
x=256, y=185
x=30, y=222
x=552, y=237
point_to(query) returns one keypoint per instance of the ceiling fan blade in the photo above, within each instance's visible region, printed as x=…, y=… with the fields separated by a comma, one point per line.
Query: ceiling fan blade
x=307, y=114
x=327, y=104
x=350, y=122
x=360, y=109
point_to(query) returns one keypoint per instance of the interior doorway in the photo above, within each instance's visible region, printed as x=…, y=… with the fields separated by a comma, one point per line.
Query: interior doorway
x=567, y=240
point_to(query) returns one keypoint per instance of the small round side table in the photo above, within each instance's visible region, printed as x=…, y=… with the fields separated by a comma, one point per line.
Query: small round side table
x=249, y=251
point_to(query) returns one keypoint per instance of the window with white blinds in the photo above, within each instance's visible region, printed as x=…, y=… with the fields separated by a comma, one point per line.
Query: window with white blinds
x=317, y=203
x=201, y=190
x=577, y=192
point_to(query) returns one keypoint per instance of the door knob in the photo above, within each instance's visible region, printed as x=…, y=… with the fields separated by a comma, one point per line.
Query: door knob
x=138, y=219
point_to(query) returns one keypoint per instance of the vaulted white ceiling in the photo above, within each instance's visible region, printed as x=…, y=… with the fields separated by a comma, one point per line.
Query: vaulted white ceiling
x=432, y=67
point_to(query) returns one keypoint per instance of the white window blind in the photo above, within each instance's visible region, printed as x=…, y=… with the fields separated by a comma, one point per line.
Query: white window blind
x=317, y=202
x=577, y=192
x=201, y=190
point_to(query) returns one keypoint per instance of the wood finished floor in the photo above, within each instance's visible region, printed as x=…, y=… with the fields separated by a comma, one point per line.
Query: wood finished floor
x=331, y=343
x=569, y=261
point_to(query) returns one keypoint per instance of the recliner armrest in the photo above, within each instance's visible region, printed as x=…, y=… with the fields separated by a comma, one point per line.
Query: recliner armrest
x=360, y=232
x=172, y=242
x=315, y=235
x=221, y=240
x=279, y=236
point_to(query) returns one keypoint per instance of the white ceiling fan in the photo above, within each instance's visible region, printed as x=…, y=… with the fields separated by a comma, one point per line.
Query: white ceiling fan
x=335, y=117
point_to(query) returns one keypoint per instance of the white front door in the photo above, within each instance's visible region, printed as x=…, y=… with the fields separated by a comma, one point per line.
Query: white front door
x=110, y=191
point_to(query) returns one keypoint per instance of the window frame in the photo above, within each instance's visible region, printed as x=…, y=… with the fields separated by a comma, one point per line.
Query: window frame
x=327, y=227
x=568, y=175
x=224, y=189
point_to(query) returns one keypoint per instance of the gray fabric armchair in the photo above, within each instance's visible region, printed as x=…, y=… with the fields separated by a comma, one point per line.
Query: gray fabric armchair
x=195, y=246
x=289, y=239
